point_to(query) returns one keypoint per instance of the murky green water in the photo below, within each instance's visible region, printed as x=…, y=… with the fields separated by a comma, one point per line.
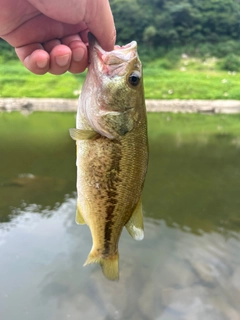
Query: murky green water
x=188, y=265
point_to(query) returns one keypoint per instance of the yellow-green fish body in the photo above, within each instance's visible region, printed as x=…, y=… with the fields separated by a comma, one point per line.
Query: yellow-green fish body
x=112, y=151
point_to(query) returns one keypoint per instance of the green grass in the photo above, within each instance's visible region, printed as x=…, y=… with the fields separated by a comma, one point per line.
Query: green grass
x=175, y=84
x=16, y=81
x=187, y=78
x=190, y=78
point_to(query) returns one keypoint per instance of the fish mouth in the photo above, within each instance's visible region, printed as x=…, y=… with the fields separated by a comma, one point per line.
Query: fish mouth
x=119, y=55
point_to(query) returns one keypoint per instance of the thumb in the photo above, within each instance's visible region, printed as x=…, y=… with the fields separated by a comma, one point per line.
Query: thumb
x=101, y=24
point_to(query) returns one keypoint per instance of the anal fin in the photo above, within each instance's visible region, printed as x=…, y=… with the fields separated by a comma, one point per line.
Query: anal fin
x=79, y=218
x=135, y=224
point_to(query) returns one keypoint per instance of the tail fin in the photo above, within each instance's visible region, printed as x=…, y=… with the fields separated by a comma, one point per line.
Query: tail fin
x=109, y=265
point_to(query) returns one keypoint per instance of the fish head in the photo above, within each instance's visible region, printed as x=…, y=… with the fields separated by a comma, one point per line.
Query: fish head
x=112, y=97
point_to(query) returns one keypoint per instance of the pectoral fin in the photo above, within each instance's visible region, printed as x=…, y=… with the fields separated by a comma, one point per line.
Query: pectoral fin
x=78, y=134
x=79, y=218
x=135, y=224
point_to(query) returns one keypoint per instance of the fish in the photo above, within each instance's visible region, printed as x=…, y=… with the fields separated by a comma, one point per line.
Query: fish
x=112, y=151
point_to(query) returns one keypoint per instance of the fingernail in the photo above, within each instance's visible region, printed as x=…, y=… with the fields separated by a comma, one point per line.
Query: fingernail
x=63, y=60
x=42, y=63
x=78, y=54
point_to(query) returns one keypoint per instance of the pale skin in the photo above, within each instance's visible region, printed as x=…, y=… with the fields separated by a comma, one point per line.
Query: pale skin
x=51, y=35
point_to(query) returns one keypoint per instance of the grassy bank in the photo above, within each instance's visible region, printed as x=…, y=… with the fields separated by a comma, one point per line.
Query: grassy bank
x=187, y=78
x=16, y=81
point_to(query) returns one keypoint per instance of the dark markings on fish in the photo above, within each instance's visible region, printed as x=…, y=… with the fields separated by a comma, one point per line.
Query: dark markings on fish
x=123, y=130
x=108, y=229
x=112, y=201
x=112, y=194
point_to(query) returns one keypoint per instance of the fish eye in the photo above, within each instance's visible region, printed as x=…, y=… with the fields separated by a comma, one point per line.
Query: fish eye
x=134, y=79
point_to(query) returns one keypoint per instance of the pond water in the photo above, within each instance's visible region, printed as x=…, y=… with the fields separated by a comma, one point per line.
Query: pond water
x=188, y=265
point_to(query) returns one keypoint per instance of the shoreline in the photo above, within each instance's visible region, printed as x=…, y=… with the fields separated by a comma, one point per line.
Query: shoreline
x=70, y=105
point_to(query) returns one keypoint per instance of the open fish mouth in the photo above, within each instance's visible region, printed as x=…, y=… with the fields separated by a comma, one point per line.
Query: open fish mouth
x=119, y=55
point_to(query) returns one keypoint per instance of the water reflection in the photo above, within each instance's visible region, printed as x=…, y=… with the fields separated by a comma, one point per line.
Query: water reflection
x=172, y=274
x=37, y=160
x=197, y=184
x=187, y=267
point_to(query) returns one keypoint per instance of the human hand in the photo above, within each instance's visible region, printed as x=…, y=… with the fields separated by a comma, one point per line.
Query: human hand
x=51, y=35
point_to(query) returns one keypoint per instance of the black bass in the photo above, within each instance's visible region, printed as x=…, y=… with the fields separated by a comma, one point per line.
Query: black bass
x=112, y=151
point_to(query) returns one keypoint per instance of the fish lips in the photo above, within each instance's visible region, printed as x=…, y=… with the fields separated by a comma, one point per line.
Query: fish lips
x=110, y=62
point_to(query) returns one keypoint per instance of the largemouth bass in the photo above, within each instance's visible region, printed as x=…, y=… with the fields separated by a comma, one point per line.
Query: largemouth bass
x=112, y=151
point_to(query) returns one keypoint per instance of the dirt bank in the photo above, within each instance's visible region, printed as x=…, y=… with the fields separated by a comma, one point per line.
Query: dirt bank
x=67, y=105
